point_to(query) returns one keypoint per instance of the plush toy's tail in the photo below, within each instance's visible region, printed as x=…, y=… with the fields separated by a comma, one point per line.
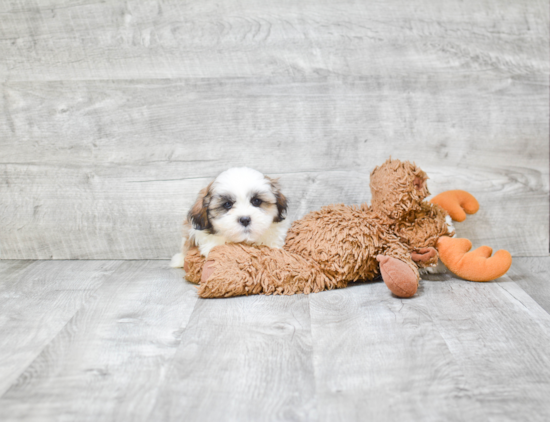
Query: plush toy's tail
x=477, y=265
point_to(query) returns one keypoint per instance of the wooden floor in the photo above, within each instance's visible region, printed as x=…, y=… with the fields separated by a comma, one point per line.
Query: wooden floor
x=130, y=340
x=114, y=114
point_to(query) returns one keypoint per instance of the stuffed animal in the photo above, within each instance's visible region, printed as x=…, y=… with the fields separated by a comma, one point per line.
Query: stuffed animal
x=398, y=234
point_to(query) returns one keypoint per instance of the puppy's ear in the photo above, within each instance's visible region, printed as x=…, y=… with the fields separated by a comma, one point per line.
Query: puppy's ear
x=280, y=200
x=198, y=214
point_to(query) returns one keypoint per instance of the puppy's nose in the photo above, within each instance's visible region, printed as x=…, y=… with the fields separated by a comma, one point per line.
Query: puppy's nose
x=245, y=221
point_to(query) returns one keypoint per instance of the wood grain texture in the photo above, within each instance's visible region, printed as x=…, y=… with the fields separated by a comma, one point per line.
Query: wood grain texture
x=109, y=360
x=533, y=276
x=37, y=299
x=242, y=359
x=499, y=336
x=123, y=191
x=10, y=269
x=450, y=353
x=167, y=39
x=381, y=358
x=130, y=341
x=114, y=115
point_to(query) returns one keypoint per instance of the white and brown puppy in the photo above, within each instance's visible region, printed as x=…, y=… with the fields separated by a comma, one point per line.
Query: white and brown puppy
x=240, y=205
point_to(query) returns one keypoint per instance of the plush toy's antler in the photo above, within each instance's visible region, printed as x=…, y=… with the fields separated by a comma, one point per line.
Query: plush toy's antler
x=457, y=203
x=477, y=265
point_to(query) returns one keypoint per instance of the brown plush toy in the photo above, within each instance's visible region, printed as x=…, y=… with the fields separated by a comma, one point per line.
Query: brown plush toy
x=394, y=237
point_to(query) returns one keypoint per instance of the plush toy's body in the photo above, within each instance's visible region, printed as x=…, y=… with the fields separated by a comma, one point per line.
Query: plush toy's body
x=327, y=249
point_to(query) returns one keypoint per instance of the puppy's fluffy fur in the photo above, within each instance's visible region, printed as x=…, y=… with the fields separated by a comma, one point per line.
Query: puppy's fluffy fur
x=240, y=206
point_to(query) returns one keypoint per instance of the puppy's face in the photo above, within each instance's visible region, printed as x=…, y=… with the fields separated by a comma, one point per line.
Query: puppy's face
x=241, y=204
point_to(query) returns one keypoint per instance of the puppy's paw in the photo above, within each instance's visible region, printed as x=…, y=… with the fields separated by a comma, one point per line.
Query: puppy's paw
x=177, y=261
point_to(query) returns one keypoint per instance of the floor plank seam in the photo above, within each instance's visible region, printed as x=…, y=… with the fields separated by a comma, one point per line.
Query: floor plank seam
x=61, y=329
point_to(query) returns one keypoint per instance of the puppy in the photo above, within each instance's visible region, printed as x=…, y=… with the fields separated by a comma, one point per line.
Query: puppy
x=240, y=205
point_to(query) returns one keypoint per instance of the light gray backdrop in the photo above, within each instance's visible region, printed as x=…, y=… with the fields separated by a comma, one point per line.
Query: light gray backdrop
x=114, y=114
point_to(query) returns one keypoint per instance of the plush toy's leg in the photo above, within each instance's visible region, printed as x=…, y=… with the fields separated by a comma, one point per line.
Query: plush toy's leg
x=425, y=257
x=399, y=272
x=193, y=265
x=236, y=270
x=457, y=203
x=398, y=276
x=477, y=265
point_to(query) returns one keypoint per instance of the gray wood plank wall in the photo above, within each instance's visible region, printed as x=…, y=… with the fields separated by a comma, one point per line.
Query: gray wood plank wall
x=113, y=115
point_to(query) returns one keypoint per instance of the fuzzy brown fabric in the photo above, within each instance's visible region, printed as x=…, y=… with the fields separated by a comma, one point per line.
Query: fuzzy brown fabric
x=193, y=264
x=243, y=270
x=339, y=244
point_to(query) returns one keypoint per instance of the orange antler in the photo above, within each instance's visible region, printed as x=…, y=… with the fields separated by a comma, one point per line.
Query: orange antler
x=457, y=203
x=477, y=265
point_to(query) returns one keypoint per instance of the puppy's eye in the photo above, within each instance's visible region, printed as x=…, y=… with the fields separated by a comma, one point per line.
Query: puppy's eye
x=227, y=205
x=256, y=202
